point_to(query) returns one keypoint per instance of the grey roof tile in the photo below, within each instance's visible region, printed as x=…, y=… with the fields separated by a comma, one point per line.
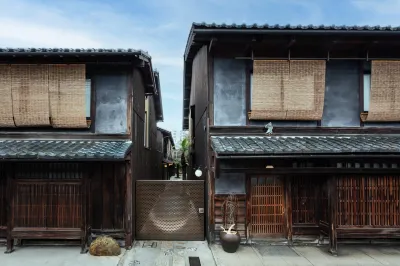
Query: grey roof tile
x=9, y=50
x=270, y=145
x=64, y=149
x=293, y=27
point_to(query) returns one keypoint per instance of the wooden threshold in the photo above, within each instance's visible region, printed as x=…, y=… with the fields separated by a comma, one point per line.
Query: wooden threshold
x=46, y=233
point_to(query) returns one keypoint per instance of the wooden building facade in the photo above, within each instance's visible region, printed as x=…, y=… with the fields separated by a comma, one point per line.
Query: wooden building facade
x=77, y=128
x=168, y=145
x=301, y=123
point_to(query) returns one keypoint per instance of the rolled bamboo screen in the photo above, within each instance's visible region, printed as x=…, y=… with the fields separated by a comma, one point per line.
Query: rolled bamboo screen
x=67, y=96
x=304, y=95
x=288, y=90
x=269, y=77
x=6, y=107
x=30, y=95
x=385, y=92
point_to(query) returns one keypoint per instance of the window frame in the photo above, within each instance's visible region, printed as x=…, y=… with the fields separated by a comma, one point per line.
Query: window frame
x=90, y=120
x=366, y=74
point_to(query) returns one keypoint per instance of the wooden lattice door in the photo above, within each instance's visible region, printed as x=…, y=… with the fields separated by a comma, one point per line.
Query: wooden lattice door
x=267, y=206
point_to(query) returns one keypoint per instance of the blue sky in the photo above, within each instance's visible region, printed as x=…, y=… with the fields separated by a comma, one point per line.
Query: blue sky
x=160, y=27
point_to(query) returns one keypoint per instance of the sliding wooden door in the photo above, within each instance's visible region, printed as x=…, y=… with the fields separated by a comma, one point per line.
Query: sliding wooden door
x=267, y=206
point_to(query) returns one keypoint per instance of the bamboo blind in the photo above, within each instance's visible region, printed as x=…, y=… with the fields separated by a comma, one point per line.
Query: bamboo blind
x=385, y=92
x=267, y=206
x=288, y=90
x=67, y=96
x=30, y=95
x=269, y=77
x=368, y=201
x=6, y=109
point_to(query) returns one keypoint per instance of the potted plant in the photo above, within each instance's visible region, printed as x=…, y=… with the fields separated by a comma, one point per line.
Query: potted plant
x=230, y=240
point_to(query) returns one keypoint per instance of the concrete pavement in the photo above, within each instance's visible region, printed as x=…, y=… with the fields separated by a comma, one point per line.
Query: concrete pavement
x=54, y=256
x=168, y=253
x=178, y=253
x=349, y=255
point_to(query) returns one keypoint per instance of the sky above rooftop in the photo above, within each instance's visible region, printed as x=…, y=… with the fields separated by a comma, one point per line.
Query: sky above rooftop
x=161, y=27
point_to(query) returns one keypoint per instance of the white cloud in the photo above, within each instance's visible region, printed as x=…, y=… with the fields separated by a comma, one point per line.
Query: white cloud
x=384, y=7
x=378, y=12
x=30, y=34
x=90, y=24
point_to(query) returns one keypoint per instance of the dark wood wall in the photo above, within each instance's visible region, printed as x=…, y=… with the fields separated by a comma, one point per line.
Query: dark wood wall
x=145, y=160
x=3, y=206
x=56, y=189
x=200, y=87
x=107, y=193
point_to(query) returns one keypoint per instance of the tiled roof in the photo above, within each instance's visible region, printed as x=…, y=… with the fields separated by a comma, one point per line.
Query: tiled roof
x=64, y=149
x=73, y=51
x=270, y=145
x=292, y=27
x=202, y=33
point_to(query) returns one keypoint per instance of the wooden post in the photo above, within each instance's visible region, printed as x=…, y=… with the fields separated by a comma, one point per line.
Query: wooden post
x=84, y=195
x=10, y=193
x=318, y=209
x=90, y=204
x=332, y=202
x=248, y=208
x=129, y=221
x=212, y=198
x=288, y=212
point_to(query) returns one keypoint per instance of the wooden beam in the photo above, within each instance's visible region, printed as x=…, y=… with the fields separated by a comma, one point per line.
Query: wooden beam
x=278, y=131
x=288, y=209
x=84, y=226
x=10, y=193
x=332, y=202
x=311, y=170
x=129, y=221
x=248, y=208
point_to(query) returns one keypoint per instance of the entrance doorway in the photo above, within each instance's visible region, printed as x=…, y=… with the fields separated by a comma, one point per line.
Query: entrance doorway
x=267, y=206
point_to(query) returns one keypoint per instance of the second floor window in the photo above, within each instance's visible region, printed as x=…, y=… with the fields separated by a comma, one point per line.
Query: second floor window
x=367, y=89
x=88, y=91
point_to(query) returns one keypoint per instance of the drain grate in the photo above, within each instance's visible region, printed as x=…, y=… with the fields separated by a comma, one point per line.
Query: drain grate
x=194, y=261
x=149, y=245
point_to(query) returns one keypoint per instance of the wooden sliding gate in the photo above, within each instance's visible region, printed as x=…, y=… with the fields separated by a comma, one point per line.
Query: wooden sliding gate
x=169, y=210
x=267, y=206
x=48, y=201
x=47, y=204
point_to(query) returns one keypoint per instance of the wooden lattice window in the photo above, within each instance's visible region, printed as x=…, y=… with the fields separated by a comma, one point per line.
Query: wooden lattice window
x=51, y=204
x=368, y=201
